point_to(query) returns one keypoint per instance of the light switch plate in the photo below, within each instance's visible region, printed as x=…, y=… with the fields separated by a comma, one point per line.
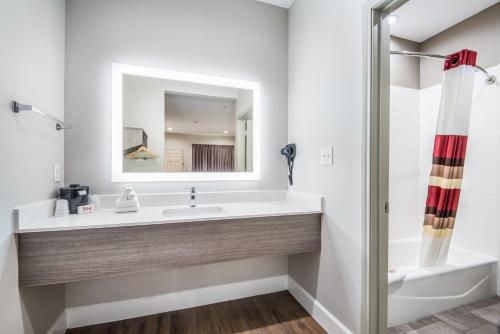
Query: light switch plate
x=57, y=172
x=326, y=154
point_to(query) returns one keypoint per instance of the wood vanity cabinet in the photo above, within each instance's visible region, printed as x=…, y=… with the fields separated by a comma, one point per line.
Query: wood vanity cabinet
x=65, y=256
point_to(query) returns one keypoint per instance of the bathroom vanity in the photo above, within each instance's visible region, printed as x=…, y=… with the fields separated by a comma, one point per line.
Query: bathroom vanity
x=222, y=227
x=172, y=126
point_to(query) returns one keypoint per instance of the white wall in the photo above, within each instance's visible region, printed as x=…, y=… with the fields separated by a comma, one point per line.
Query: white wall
x=407, y=208
x=185, y=143
x=32, y=71
x=326, y=108
x=242, y=39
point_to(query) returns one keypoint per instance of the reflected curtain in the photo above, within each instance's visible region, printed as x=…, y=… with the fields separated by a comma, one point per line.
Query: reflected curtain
x=213, y=158
x=448, y=157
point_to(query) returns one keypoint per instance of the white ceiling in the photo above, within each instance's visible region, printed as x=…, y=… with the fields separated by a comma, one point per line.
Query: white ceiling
x=193, y=114
x=280, y=3
x=422, y=19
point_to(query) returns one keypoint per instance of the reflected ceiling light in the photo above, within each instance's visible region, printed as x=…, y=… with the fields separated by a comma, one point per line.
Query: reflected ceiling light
x=169, y=129
x=226, y=132
x=392, y=19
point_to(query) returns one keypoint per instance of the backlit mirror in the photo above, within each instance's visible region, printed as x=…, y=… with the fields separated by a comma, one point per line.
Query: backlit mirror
x=183, y=127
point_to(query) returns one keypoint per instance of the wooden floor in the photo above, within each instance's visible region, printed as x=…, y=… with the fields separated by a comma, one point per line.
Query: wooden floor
x=273, y=313
x=482, y=317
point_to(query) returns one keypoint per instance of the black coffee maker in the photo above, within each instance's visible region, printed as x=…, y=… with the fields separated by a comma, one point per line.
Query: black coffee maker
x=76, y=195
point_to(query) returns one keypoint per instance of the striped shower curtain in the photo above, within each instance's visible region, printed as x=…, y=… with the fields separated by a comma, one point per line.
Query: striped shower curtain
x=448, y=157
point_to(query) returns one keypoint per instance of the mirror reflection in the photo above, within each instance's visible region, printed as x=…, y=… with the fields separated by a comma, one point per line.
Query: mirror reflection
x=172, y=126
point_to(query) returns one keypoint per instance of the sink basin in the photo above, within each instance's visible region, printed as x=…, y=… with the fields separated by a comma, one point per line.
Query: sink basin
x=196, y=211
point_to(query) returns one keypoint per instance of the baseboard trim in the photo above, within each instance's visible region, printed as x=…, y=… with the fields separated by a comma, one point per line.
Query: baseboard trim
x=132, y=308
x=60, y=325
x=327, y=320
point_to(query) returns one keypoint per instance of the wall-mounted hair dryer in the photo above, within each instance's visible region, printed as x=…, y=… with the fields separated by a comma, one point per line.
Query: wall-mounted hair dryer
x=290, y=151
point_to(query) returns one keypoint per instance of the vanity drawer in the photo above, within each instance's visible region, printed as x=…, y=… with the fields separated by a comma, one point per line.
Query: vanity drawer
x=75, y=255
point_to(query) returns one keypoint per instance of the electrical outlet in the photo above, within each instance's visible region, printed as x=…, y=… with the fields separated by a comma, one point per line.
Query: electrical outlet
x=57, y=172
x=326, y=155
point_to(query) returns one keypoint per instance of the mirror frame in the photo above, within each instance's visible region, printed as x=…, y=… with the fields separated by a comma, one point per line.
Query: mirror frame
x=118, y=70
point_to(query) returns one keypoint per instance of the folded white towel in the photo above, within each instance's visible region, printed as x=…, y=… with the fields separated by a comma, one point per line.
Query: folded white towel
x=126, y=203
x=395, y=276
x=127, y=209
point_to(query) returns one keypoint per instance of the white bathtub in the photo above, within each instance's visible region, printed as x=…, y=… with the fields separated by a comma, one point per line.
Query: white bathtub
x=467, y=277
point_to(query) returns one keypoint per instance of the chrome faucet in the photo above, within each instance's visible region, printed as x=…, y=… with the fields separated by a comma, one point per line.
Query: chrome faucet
x=192, y=197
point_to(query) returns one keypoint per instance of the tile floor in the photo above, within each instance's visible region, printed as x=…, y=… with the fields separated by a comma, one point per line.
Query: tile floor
x=482, y=317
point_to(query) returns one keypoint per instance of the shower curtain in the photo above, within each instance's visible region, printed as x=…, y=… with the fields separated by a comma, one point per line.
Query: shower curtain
x=450, y=144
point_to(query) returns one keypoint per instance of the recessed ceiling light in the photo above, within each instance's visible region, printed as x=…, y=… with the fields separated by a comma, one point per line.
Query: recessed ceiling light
x=226, y=132
x=392, y=19
x=169, y=129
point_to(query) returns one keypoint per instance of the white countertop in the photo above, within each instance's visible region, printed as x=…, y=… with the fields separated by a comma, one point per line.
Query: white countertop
x=37, y=217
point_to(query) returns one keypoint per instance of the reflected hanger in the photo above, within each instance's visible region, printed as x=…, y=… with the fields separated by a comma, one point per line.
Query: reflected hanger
x=142, y=153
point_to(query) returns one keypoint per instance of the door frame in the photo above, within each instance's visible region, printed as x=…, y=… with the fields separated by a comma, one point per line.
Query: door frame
x=376, y=65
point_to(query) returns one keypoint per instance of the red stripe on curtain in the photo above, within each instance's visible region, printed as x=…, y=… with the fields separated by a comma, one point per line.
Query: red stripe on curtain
x=442, y=200
x=450, y=146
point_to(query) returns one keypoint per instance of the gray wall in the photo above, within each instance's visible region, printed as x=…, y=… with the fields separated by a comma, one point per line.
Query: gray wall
x=143, y=285
x=325, y=108
x=31, y=70
x=405, y=71
x=480, y=32
x=242, y=39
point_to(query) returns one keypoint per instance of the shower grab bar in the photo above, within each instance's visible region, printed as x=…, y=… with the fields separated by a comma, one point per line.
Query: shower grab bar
x=18, y=107
x=490, y=78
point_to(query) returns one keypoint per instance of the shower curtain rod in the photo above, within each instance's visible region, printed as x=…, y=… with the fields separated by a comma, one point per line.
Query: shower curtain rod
x=490, y=78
